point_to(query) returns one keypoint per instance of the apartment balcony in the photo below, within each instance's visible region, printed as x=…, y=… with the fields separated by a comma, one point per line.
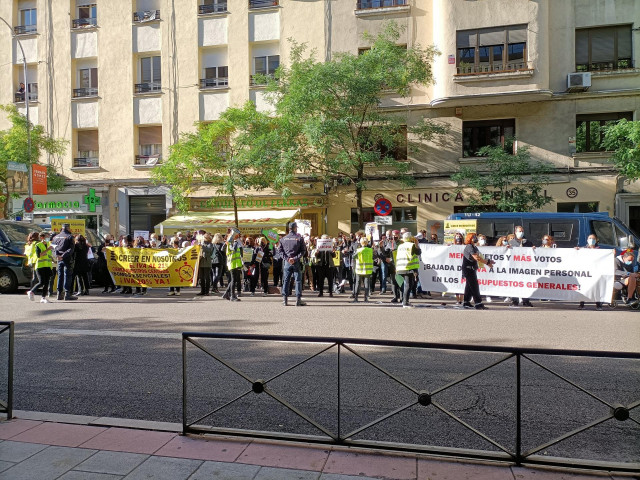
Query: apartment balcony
x=620, y=64
x=371, y=4
x=148, y=87
x=212, y=83
x=84, y=23
x=25, y=29
x=485, y=69
x=20, y=96
x=260, y=80
x=85, y=92
x=148, y=16
x=147, y=161
x=86, y=163
x=216, y=8
x=263, y=3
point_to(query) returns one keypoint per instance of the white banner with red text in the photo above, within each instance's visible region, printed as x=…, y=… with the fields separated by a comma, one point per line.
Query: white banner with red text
x=584, y=275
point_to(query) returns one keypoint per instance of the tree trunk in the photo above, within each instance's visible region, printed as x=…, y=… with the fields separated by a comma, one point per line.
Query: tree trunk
x=235, y=208
x=359, y=196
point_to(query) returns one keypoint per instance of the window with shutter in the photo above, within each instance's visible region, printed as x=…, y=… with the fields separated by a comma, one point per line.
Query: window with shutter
x=603, y=48
x=494, y=49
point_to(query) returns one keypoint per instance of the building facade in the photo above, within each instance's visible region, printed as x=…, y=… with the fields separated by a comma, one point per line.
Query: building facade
x=120, y=80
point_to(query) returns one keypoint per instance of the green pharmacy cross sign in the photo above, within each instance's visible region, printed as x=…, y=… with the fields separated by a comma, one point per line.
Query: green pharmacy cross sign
x=91, y=200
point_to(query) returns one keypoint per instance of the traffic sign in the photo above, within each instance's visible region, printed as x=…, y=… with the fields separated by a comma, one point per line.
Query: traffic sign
x=382, y=220
x=382, y=207
x=28, y=205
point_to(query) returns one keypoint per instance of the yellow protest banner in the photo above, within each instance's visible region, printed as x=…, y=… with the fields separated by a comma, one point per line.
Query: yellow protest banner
x=76, y=225
x=153, y=267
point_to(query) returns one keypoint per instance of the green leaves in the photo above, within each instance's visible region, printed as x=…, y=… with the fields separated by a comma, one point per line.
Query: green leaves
x=623, y=138
x=505, y=182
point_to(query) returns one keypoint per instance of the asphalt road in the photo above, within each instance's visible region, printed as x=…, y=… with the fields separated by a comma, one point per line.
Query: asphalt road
x=107, y=355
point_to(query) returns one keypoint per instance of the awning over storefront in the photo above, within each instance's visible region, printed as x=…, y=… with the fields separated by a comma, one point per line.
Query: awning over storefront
x=249, y=221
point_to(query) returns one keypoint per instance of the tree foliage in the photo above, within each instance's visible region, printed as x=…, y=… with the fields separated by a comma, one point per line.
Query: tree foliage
x=14, y=148
x=623, y=139
x=219, y=154
x=505, y=182
x=330, y=125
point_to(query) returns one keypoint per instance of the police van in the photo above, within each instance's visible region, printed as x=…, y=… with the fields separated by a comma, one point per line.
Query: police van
x=567, y=229
x=14, y=271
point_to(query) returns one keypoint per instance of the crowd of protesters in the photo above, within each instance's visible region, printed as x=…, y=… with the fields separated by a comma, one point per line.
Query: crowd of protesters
x=246, y=264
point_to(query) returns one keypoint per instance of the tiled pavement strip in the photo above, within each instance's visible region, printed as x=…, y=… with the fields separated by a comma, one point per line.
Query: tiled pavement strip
x=42, y=446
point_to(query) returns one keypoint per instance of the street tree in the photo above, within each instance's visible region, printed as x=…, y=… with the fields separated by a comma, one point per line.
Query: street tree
x=623, y=139
x=330, y=123
x=218, y=154
x=14, y=147
x=504, y=181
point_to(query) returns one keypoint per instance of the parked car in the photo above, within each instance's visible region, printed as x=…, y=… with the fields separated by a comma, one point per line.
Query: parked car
x=14, y=271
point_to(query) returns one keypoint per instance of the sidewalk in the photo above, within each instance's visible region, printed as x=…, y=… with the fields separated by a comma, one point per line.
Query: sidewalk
x=39, y=446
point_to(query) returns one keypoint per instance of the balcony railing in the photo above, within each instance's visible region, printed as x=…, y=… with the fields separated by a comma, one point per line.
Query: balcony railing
x=620, y=64
x=260, y=79
x=219, y=82
x=86, y=162
x=85, y=92
x=84, y=22
x=367, y=4
x=148, y=16
x=263, y=3
x=33, y=94
x=484, y=69
x=148, y=87
x=148, y=160
x=25, y=29
x=216, y=8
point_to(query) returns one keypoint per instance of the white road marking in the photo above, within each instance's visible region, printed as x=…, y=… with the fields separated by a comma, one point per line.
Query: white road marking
x=110, y=333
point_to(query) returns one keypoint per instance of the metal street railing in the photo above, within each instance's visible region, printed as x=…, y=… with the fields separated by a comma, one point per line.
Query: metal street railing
x=329, y=427
x=6, y=406
x=367, y=4
x=219, y=7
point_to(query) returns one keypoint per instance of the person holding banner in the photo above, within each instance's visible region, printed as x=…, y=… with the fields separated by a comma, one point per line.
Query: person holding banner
x=592, y=242
x=234, y=264
x=518, y=240
x=626, y=275
x=471, y=259
x=407, y=263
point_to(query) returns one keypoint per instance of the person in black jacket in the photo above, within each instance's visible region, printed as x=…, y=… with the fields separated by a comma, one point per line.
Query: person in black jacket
x=218, y=259
x=325, y=268
x=64, y=248
x=277, y=265
x=470, y=259
x=81, y=266
x=107, y=281
x=264, y=260
x=293, y=249
x=520, y=241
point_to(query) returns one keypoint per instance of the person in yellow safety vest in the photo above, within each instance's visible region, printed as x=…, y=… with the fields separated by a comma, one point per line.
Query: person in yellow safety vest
x=364, y=269
x=41, y=263
x=234, y=264
x=32, y=239
x=406, y=262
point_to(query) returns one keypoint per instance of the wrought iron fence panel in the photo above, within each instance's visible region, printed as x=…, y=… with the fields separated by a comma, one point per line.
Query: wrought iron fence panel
x=7, y=337
x=413, y=382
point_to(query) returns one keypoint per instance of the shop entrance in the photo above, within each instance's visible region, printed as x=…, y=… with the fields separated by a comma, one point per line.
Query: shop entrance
x=146, y=211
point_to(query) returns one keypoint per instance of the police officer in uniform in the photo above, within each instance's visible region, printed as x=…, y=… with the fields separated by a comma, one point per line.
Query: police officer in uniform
x=292, y=249
x=64, y=246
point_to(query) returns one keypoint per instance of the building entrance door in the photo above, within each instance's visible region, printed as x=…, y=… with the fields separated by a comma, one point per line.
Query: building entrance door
x=146, y=211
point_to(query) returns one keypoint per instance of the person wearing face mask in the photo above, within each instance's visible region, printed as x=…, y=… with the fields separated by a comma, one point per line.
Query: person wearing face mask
x=625, y=274
x=391, y=246
x=547, y=242
x=482, y=240
x=592, y=242
x=520, y=241
x=470, y=260
x=502, y=241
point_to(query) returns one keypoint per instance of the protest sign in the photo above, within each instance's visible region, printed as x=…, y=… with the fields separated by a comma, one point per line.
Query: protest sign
x=271, y=235
x=324, y=245
x=372, y=232
x=76, y=225
x=584, y=275
x=247, y=254
x=141, y=233
x=451, y=227
x=153, y=267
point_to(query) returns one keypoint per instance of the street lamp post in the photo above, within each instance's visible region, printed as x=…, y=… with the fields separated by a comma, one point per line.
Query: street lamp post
x=26, y=102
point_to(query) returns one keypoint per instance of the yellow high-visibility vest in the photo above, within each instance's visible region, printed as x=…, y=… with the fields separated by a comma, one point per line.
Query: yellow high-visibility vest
x=234, y=257
x=44, y=261
x=405, y=260
x=364, y=261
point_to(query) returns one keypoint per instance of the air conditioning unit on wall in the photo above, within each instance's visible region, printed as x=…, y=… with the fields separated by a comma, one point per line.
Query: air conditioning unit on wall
x=578, y=82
